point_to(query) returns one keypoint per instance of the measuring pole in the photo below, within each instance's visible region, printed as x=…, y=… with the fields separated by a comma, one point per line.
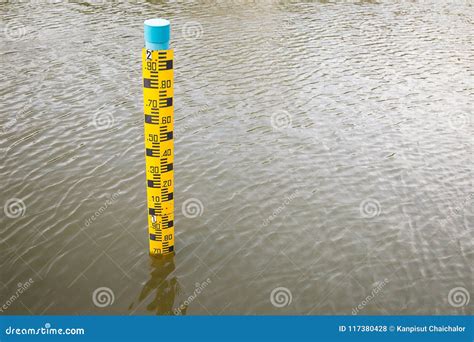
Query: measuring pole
x=157, y=66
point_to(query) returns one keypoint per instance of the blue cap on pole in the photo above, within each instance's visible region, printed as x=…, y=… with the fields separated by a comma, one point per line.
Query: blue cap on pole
x=157, y=34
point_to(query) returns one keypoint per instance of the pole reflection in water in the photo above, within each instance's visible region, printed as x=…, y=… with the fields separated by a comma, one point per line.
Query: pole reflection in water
x=162, y=287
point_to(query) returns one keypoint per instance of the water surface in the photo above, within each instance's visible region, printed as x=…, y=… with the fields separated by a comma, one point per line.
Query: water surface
x=330, y=145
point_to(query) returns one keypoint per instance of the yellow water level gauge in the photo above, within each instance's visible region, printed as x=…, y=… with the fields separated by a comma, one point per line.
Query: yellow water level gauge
x=157, y=68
